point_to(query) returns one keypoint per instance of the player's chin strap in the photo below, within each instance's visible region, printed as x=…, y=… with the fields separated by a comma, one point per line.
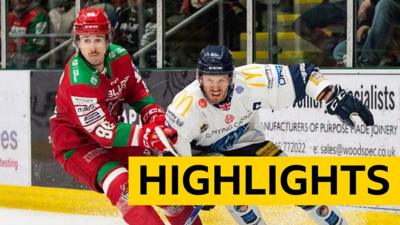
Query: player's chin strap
x=168, y=146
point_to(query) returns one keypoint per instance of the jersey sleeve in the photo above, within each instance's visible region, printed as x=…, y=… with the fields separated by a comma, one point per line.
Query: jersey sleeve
x=91, y=114
x=280, y=86
x=268, y=84
x=183, y=116
x=307, y=79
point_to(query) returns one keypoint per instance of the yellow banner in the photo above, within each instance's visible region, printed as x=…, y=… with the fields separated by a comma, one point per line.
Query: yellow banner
x=264, y=180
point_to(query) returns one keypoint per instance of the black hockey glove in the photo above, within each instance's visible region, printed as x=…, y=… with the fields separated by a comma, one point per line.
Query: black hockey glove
x=345, y=105
x=207, y=207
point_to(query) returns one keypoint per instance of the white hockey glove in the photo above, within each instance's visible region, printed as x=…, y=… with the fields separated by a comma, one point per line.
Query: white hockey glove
x=345, y=106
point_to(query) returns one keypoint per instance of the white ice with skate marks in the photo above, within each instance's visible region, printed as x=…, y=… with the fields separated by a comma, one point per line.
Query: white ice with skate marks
x=273, y=215
x=30, y=217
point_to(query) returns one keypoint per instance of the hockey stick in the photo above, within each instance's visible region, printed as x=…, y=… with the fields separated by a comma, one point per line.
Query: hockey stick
x=171, y=149
x=165, y=141
x=193, y=215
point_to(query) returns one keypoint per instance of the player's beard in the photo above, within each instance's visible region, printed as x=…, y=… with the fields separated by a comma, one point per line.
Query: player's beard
x=216, y=96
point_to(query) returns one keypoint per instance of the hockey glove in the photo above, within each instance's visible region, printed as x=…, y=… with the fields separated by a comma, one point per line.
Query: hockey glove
x=207, y=207
x=345, y=105
x=171, y=134
x=148, y=137
x=153, y=113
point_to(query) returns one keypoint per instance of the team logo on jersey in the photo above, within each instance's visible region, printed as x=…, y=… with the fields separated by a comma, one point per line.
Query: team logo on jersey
x=203, y=128
x=229, y=118
x=203, y=103
x=226, y=142
x=239, y=89
x=116, y=91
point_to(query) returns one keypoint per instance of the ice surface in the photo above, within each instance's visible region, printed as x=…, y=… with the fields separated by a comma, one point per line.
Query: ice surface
x=29, y=217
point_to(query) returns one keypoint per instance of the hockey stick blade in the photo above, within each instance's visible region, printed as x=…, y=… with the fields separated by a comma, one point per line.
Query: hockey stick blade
x=165, y=141
x=193, y=215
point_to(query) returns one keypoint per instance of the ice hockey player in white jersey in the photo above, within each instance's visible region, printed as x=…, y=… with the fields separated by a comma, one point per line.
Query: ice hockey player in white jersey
x=216, y=113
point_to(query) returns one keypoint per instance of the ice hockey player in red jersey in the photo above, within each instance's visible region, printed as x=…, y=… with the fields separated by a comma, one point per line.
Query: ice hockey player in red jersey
x=89, y=138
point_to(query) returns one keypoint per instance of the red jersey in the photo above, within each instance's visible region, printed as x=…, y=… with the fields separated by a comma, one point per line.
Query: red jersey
x=89, y=103
x=33, y=21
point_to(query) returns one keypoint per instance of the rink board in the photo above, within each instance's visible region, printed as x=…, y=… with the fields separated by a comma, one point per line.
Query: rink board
x=15, y=141
x=90, y=203
x=46, y=172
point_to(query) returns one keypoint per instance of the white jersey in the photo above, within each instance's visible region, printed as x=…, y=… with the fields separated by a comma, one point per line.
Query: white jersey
x=203, y=126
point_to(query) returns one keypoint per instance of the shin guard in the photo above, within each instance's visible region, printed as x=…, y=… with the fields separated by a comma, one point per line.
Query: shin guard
x=177, y=215
x=324, y=215
x=246, y=214
x=115, y=186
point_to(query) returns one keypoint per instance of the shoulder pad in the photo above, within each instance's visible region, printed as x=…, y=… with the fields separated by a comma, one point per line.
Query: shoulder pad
x=189, y=99
x=81, y=73
x=116, y=51
x=253, y=75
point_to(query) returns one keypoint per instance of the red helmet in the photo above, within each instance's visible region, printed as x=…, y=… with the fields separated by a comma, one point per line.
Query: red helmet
x=92, y=21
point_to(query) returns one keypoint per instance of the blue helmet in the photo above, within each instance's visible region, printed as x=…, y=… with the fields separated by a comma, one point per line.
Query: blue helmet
x=215, y=59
